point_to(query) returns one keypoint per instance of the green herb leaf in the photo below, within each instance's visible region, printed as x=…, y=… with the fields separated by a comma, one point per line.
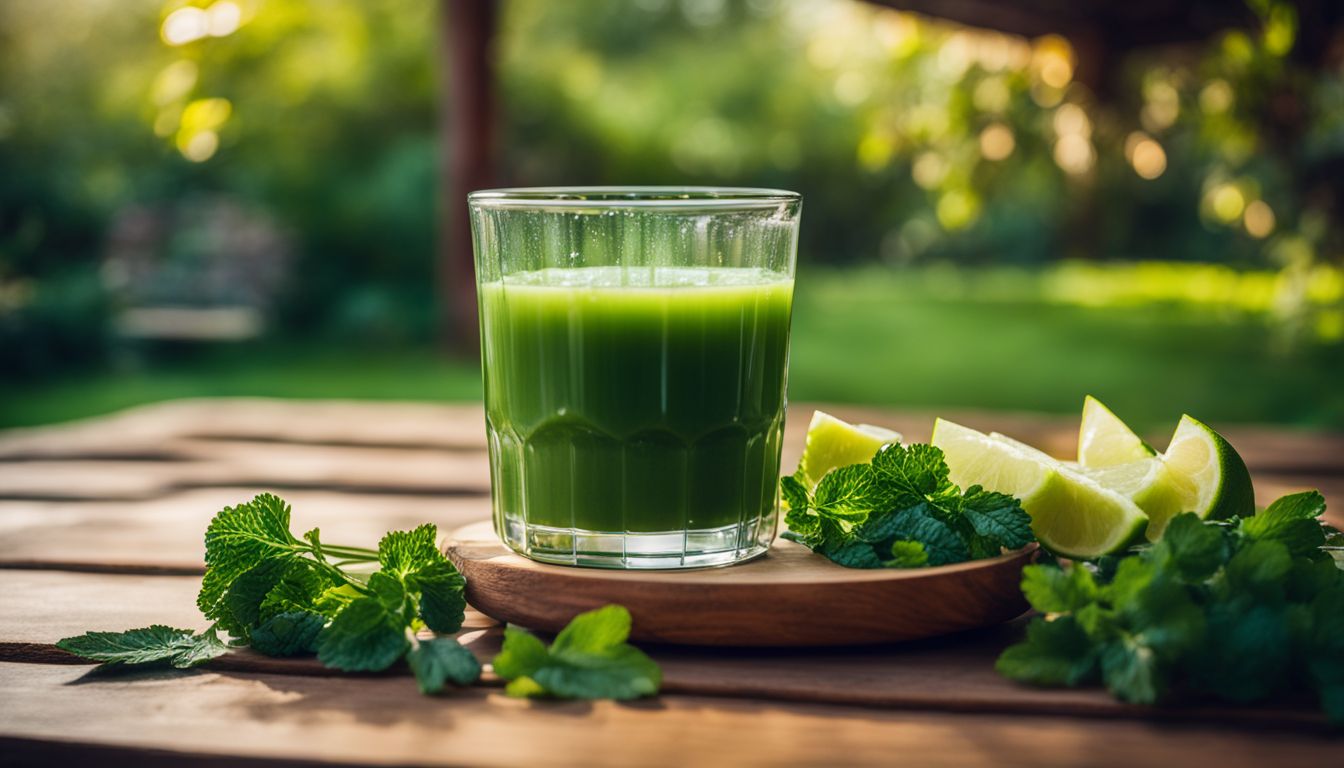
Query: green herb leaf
x=859, y=513
x=1197, y=550
x=588, y=660
x=1242, y=611
x=938, y=538
x=907, y=554
x=1055, y=653
x=794, y=492
x=1130, y=671
x=521, y=655
x=1291, y=521
x=997, y=517
x=180, y=648
x=299, y=590
x=288, y=634
x=912, y=473
x=442, y=600
x=243, y=598
x=364, y=637
x=401, y=552
x=1052, y=589
x=237, y=540
x=440, y=661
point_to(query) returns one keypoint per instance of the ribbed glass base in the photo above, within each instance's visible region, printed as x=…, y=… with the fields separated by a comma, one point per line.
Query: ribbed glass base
x=673, y=549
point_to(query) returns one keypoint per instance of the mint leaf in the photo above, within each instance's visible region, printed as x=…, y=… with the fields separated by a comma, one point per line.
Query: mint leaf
x=241, y=607
x=844, y=491
x=620, y=673
x=401, y=552
x=1055, y=653
x=1052, y=589
x=299, y=590
x=1291, y=521
x=588, y=660
x=1259, y=568
x=857, y=554
x=364, y=637
x=997, y=517
x=942, y=544
x=794, y=492
x=429, y=578
x=912, y=473
x=859, y=513
x=1130, y=671
x=440, y=661
x=907, y=554
x=288, y=634
x=237, y=540
x=594, y=632
x=442, y=599
x=521, y=655
x=180, y=648
x=1196, y=549
x=389, y=590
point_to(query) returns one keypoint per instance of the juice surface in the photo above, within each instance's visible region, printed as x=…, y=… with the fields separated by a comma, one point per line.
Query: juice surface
x=635, y=399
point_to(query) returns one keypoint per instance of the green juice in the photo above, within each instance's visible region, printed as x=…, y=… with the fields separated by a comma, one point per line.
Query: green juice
x=636, y=399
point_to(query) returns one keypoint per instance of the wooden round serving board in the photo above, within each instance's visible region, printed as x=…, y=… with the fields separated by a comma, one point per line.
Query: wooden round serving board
x=788, y=597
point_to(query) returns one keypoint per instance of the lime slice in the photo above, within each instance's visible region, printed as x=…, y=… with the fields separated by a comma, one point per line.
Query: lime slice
x=1104, y=440
x=1071, y=514
x=834, y=443
x=1220, y=485
x=1158, y=490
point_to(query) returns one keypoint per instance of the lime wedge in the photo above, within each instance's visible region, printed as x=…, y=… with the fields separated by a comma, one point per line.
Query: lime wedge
x=1158, y=490
x=1071, y=514
x=833, y=443
x=1104, y=440
x=1220, y=485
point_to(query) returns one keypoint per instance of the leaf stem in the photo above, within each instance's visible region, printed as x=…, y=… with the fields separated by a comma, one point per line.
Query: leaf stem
x=356, y=554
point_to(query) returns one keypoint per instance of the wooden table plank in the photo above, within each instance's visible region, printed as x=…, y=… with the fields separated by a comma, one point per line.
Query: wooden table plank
x=171, y=428
x=953, y=674
x=166, y=533
x=214, y=464
x=386, y=722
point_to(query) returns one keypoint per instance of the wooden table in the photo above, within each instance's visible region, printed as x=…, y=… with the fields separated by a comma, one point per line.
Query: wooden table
x=101, y=524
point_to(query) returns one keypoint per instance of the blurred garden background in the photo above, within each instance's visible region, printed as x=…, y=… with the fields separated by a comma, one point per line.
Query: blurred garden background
x=243, y=197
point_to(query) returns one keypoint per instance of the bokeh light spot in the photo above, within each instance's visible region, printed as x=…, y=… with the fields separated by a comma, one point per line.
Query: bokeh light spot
x=1074, y=154
x=1216, y=97
x=1146, y=156
x=223, y=18
x=1259, y=219
x=198, y=147
x=996, y=141
x=1227, y=203
x=929, y=169
x=185, y=25
x=957, y=209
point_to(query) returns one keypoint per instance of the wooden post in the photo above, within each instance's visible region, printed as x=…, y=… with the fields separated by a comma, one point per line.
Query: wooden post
x=467, y=133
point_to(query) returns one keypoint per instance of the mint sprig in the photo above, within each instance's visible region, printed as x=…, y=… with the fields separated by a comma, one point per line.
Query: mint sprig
x=156, y=644
x=1241, y=611
x=589, y=659
x=901, y=511
x=284, y=595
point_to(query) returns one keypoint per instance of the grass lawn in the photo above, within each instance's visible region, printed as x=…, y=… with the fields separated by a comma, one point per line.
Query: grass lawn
x=867, y=336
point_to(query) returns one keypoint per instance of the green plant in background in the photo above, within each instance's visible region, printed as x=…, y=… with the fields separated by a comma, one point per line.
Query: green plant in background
x=922, y=148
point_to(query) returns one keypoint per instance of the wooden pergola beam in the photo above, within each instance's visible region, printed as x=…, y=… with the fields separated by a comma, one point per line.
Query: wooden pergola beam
x=467, y=122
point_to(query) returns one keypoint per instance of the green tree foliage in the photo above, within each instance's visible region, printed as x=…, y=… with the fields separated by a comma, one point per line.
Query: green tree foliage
x=914, y=141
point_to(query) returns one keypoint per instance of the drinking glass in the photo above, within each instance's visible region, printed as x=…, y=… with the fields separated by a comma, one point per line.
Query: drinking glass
x=634, y=349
